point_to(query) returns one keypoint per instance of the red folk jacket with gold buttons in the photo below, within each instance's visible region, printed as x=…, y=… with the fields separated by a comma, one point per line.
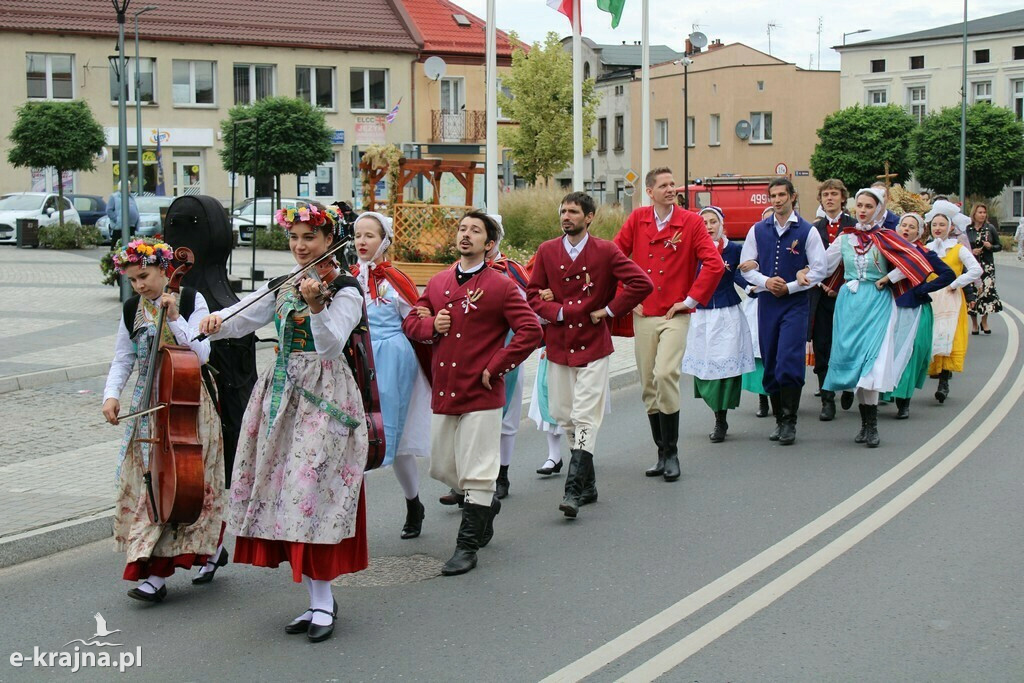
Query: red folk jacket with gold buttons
x=670, y=257
x=482, y=312
x=580, y=287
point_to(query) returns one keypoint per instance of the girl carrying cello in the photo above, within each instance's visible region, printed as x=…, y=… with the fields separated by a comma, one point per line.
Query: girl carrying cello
x=155, y=550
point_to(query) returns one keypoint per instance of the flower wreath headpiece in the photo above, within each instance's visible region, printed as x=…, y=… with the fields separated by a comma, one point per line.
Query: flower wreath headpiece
x=144, y=252
x=307, y=213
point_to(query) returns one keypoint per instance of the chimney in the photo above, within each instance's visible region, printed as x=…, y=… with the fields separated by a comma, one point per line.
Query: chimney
x=689, y=47
x=715, y=44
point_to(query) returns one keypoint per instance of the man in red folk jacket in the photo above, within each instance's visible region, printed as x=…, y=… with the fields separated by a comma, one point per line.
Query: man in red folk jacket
x=573, y=287
x=469, y=312
x=668, y=243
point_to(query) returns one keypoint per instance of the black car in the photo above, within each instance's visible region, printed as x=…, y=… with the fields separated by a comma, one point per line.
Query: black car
x=90, y=207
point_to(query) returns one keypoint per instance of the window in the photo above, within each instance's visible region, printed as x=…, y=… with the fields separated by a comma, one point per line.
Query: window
x=660, y=133
x=691, y=131
x=147, y=81
x=981, y=56
x=315, y=84
x=917, y=99
x=761, y=127
x=503, y=89
x=982, y=91
x=49, y=77
x=586, y=70
x=877, y=66
x=1017, y=194
x=715, y=130
x=193, y=82
x=253, y=82
x=760, y=86
x=620, y=89
x=602, y=134
x=1017, y=99
x=620, y=133
x=1018, y=52
x=368, y=89
x=917, y=62
x=878, y=97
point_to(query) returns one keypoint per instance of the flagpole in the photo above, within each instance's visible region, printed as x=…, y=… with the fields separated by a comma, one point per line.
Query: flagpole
x=492, y=111
x=645, y=103
x=577, y=100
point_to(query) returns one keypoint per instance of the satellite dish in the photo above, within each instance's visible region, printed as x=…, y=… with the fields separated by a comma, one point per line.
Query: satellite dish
x=698, y=40
x=743, y=129
x=434, y=68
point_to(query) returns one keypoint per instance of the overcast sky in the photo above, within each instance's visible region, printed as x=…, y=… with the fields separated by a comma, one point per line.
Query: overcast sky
x=794, y=38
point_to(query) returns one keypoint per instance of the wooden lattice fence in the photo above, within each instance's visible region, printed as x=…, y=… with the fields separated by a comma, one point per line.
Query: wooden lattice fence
x=425, y=233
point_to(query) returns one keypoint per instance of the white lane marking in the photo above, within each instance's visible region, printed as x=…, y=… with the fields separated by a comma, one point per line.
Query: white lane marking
x=672, y=615
x=679, y=652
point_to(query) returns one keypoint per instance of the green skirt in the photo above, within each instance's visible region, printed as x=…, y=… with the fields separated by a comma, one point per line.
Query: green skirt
x=916, y=373
x=754, y=381
x=719, y=394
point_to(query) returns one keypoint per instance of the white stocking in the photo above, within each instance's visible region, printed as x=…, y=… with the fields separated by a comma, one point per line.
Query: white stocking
x=407, y=474
x=157, y=582
x=867, y=397
x=508, y=444
x=554, y=447
x=320, y=598
x=211, y=564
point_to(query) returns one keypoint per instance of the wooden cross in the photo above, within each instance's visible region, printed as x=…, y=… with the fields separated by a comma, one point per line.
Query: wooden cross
x=887, y=177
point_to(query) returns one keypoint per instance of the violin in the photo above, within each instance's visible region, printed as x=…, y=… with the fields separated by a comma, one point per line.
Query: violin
x=174, y=481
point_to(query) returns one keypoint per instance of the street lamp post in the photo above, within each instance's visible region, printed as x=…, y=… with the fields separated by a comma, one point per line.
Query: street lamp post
x=686, y=130
x=121, y=7
x=853, y=33
x=140, y=184
x=963, y=117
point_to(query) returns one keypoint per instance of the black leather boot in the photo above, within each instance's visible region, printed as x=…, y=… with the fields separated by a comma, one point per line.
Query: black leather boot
x=670, y=439
x=721, y=427
x=570, y=505
x=871, y=437
x=474, y=518
x=846, y=400
x=776, y=402
x=452, y=498
x=414, y=513
x=789, y=397
x=501, y=483
x=942, y=391
x=589, y=493
x=762, y=406
x=659, y=469
x=828, y=406
x=902, y=408
x=488, y=532
x=862, y=434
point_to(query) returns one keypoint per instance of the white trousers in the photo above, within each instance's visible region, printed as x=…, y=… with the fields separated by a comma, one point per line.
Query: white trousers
x=465, y=452
x=577, y=398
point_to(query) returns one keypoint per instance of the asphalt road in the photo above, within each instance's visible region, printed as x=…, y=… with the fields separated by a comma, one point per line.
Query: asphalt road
x=762, y=563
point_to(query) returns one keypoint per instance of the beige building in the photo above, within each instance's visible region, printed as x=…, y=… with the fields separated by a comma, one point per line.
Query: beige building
x=749, y=114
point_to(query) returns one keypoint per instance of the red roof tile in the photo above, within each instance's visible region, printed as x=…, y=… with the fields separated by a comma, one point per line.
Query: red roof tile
x=328, y=24
x=443, y=35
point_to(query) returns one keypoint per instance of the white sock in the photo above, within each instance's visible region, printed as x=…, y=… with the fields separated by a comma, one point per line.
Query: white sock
x=407, y=474
x=554, y=447
x=307, y=615
x=867, y=397
x=508, y=444
x=152, y=584
x=320, y=598
x=211, y=564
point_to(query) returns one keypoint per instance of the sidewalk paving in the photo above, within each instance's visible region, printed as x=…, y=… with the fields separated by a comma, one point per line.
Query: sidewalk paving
x=57, y=455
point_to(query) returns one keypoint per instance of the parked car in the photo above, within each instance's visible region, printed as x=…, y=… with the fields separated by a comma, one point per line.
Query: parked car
x=150, y=223
x=242, y=222
x=39, y=205
x=89, y=206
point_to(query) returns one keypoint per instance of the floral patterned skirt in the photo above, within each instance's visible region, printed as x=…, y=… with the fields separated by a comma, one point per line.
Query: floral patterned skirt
x=988, y=298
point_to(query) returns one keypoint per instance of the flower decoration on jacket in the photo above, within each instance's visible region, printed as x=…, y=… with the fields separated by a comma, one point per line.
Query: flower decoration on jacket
x=144, y=252
x=469, y=303
x=310, y=214
x=587, y=285
x=792, y=248
x=673, y=242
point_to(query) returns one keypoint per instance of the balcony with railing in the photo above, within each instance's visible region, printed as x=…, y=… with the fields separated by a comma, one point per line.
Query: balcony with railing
x=458, y=127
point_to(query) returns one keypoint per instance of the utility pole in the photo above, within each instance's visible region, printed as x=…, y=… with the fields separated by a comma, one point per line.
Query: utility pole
x=820, y=28
x=963, y=116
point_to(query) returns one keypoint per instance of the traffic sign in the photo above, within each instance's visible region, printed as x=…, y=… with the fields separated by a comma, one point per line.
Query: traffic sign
x=781, y=169
x=631, y=177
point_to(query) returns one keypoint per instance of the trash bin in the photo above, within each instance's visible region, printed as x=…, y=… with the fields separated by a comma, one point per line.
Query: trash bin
x=28, y=232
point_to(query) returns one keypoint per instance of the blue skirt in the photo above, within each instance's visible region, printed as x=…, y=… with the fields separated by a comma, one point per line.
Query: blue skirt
x=859, y=329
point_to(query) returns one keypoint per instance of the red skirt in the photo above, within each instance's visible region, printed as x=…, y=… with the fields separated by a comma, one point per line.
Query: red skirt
x=165, y=566
x=318, y=561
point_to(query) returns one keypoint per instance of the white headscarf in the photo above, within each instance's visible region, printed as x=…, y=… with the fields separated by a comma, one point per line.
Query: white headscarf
x=919, y=219
x=879, y=216
x=389, y=235
x=950, y=211
x=721, y=220
x=496, y=217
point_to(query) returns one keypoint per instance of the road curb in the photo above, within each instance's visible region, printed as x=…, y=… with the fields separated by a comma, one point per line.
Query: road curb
x=47, y=540
x=34, y=380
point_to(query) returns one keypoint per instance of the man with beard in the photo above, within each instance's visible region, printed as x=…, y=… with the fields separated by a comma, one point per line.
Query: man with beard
x=573, y=287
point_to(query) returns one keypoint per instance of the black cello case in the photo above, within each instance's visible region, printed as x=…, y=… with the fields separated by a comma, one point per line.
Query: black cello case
x=201, y=224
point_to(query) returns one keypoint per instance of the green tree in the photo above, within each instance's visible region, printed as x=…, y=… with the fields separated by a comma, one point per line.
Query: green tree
x=60, y=135
x=995, y=150
x=540, y=84
x=293, y=138
x=854, y=144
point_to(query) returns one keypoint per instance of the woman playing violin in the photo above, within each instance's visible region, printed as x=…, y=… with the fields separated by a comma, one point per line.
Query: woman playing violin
x=155, y=550
x=297, y=491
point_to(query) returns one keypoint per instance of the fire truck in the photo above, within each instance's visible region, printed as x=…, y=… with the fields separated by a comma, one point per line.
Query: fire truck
x=741, y=198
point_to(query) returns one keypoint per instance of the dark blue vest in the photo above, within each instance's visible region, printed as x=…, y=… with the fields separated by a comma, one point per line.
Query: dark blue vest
x=775, y=253
x=725, y=293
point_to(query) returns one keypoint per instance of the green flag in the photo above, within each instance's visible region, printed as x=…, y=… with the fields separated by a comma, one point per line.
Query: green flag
x=613, y=7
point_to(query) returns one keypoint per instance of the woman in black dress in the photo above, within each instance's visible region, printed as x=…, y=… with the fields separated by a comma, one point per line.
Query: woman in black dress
x=984, y=242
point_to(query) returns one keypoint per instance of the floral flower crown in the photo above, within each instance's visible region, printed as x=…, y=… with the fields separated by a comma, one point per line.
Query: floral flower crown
x=144, y=252
x=307, y=213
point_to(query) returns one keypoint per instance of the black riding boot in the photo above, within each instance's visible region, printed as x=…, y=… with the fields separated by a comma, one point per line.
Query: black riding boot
x=871, y=437
x=721, y=427
x=501, y=483
x=659, y=469
x=776, y=402
x=942, y=391
x=670, y=439
x=574, y=476
x=828, y=406
x=588, y=494
x=903, y=408
x=474, y=519
x=762, y=406
x=862, y=435
x=789, y=397
x=488, y=532
x=414, y=513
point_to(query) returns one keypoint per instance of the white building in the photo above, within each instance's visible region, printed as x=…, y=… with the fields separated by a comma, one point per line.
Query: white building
x=922, y=71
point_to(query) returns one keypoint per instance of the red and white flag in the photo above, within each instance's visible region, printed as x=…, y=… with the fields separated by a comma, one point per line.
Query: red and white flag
x=563, y=6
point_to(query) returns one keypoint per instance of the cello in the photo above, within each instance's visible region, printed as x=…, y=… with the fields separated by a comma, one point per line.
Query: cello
x=174, y=480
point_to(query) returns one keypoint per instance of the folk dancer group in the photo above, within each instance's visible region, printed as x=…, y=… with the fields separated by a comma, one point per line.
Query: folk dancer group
x=881, y=310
